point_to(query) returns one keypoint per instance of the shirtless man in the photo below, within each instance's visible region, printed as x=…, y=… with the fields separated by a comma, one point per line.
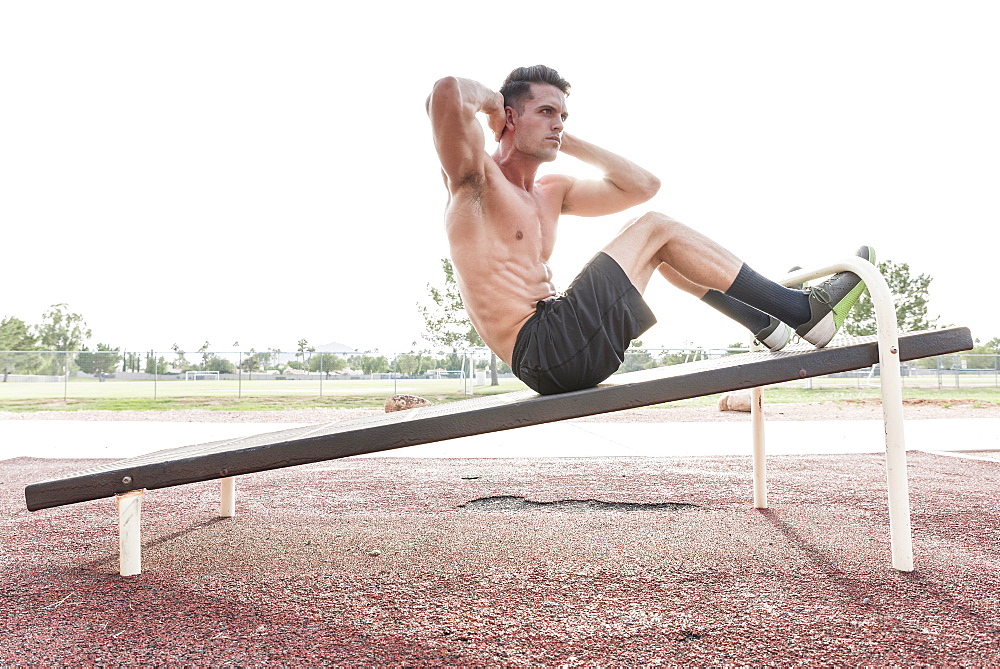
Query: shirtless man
x=501, y=225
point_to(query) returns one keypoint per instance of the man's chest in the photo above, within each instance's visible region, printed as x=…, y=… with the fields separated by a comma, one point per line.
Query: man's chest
x=509, y=215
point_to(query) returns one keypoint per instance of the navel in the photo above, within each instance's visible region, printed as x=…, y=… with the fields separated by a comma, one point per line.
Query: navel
x=519, y=235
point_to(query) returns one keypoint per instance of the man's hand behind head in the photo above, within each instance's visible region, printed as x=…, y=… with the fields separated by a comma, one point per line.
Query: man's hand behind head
x=497, y=117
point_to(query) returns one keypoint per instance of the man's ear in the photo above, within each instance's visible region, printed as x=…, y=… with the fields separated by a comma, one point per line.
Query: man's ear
x=511, y=115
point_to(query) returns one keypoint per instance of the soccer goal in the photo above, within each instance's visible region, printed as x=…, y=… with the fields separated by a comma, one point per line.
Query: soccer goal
x=201, y=376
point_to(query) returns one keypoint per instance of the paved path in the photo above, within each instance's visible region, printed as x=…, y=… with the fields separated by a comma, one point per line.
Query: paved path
x=94, y=439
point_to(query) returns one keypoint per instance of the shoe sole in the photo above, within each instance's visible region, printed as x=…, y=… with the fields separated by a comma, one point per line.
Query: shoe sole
x=777, y=339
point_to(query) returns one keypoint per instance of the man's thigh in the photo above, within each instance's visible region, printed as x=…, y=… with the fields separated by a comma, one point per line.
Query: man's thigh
x=653, y=239
x=636, y=250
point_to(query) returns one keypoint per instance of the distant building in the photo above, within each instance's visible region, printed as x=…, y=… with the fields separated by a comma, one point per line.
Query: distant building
x=336, y=347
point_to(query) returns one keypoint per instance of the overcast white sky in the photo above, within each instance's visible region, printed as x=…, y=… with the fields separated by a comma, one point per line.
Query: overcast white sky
x=263, y=172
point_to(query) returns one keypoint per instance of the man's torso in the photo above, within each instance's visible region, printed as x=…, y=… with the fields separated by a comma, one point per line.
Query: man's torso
x=501, y=238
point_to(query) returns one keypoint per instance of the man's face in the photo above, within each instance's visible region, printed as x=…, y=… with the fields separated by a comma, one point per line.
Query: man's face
x=538, y=129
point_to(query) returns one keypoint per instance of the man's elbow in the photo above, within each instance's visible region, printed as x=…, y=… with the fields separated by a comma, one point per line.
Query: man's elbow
x=650, y=186
x=445, y=88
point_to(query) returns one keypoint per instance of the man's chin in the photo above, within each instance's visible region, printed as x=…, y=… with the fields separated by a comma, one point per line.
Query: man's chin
x=545, y=154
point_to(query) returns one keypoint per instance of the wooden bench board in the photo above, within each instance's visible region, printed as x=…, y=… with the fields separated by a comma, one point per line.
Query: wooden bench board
x=298, y=446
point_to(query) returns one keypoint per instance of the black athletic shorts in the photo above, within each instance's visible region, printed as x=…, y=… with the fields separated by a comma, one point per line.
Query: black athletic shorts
x=579, y=339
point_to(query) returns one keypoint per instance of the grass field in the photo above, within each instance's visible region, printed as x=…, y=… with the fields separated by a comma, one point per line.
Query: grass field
x=146, y=395
x=87, y=394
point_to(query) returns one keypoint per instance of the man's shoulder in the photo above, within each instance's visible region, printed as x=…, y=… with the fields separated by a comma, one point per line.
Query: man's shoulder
x=554, y=186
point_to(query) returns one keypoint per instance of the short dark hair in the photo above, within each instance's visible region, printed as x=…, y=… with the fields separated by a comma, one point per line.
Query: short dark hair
x=517, y=86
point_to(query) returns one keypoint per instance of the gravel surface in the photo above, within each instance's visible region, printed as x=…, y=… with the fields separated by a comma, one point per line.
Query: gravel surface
x=589, y=561
x=871, y=409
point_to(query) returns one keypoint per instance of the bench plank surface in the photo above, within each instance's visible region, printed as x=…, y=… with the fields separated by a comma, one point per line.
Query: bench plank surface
x=288, y=448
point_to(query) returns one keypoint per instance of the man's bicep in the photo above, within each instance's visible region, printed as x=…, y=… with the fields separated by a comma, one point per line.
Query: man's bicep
x=458, y=136
x=596, y=197
x=461, y=150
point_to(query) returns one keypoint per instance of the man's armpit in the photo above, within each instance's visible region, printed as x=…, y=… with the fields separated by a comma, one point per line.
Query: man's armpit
x=471, y=187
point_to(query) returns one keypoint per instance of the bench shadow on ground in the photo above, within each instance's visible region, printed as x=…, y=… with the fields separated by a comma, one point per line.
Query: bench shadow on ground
x=111, y=560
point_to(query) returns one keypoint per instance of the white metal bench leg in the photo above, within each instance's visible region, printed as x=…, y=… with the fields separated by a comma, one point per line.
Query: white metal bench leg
x=227, y=503
x=900, y=533
x=759, y=462
x=129, y=534
x=892, y=414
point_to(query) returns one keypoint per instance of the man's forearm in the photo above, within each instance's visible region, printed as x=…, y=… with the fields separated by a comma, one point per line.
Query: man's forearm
x=622, y=172
x=473, y=97
x=481, y=98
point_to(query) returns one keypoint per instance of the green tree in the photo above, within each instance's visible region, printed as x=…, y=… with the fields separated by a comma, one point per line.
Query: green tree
x=303, y=349
x=180, y=362
x=205, y=355
x=451, y=361
x=15, y=335
x=412, y=364
x=982, y=356
x=679, y=357
x=155, y=365
x=61, y=330
x=446, y=322
x=210, y=362
x=370, y=364
x=328, y=363
x=16, y=340
x=273, y=361
x=131, y=363
x=100, y=362
x=636, y=358
x=220, y=365
x=910, y=294
x=254, y=362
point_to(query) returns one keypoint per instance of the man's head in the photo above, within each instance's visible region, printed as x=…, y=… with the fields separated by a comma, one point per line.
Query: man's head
x=535, y=106
x=517, y=87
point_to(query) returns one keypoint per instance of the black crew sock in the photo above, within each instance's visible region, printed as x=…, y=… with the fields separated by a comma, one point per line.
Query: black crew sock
x=787, y=305
x=752, y=319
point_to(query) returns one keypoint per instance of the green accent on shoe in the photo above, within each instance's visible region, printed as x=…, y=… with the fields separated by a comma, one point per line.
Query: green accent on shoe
x=844, y=306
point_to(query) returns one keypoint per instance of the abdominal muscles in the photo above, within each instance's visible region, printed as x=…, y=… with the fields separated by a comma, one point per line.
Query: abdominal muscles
x=500, y=295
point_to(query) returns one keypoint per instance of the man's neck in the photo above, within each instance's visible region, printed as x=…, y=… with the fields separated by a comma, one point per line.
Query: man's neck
x=519, y=168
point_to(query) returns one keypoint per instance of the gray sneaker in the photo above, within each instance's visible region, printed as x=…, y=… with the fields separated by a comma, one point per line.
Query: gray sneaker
x=831, y=301
x=775, y=335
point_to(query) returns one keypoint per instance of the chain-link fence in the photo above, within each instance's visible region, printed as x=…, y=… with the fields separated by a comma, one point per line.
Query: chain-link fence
x=956, y=370
x=155, y=374
x=39, y=375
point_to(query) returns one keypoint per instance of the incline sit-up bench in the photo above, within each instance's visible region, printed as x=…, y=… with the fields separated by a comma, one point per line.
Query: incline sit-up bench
x=128, y=479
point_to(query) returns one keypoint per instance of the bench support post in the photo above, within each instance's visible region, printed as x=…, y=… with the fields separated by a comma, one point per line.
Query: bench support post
x=129, y=535
x=227, y=503
x=759, y=461
x=900, y=532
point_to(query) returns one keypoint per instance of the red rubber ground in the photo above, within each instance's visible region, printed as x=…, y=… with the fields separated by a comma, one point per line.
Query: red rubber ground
x=374, y=562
